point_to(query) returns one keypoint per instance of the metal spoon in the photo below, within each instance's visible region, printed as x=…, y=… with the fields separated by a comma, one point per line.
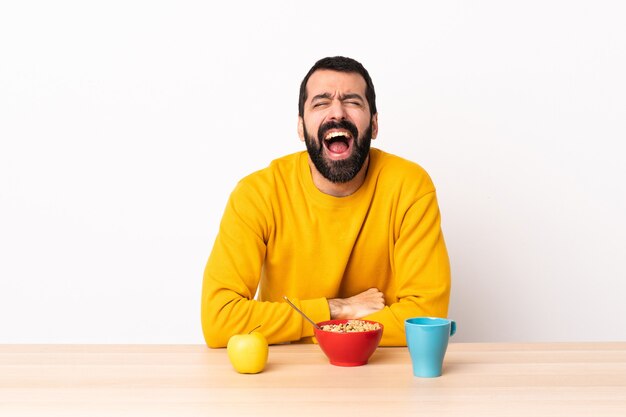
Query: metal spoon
x=303, y=315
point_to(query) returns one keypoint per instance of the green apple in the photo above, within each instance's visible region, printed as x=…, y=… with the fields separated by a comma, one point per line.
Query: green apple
x=248, y=352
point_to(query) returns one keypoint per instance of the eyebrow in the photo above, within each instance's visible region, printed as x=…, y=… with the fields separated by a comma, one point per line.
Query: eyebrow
x=321, y=97
x=352, y=96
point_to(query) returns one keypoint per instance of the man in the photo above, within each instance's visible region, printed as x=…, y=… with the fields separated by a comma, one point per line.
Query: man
x=343, y=230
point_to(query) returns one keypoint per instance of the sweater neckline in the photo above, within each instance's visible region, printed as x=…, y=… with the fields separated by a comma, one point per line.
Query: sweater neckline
x=306, y=179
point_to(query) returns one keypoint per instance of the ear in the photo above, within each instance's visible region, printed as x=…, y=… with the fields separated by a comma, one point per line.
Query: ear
x=374, y=126
x=301, y=128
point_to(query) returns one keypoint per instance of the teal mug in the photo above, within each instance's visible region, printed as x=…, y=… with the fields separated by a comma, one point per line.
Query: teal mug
x=427, y=340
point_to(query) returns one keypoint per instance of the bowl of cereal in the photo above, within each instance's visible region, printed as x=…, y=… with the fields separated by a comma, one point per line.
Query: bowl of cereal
x=348, y=342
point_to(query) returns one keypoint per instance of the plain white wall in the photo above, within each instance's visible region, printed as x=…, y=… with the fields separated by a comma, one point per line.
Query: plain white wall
x=124, y=125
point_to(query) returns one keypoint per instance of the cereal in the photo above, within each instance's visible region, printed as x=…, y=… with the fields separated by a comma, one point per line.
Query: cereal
x=351, y=326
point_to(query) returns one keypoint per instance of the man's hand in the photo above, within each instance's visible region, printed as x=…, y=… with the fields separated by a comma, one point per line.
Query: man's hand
x=357, y=306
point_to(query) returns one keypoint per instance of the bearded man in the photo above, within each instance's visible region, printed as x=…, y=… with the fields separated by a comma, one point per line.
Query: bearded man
x=343, y=230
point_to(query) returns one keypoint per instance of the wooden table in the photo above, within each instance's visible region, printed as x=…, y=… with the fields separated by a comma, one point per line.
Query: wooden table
x=560, y=379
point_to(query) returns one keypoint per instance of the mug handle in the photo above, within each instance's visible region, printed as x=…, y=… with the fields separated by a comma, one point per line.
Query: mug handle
x=452, y=327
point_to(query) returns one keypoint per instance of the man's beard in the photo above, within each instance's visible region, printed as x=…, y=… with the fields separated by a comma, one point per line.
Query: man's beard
x=344, y=170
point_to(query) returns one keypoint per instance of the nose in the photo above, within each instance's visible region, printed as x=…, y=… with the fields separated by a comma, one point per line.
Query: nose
x=336, y=111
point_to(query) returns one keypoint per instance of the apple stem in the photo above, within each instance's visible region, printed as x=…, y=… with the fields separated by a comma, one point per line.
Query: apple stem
x=254, y=329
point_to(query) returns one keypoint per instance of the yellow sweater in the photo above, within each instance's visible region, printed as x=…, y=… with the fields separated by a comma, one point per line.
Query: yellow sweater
x=280, y=232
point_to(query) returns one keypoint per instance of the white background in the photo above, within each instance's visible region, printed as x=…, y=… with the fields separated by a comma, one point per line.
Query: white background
x=124, y=125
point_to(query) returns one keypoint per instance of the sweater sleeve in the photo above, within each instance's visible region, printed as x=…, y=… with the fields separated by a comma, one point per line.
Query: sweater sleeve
x=421, y=270
x=232, y=275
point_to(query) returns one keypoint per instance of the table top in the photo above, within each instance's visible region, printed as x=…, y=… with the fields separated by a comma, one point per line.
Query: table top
x=555, y=379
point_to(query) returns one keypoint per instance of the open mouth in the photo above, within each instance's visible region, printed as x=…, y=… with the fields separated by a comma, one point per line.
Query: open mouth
x=338, y=142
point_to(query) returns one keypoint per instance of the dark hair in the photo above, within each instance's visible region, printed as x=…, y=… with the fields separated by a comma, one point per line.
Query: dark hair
x=341, y=64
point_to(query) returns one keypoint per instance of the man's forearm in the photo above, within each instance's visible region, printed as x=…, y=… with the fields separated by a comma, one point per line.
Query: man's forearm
x=357, y=306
